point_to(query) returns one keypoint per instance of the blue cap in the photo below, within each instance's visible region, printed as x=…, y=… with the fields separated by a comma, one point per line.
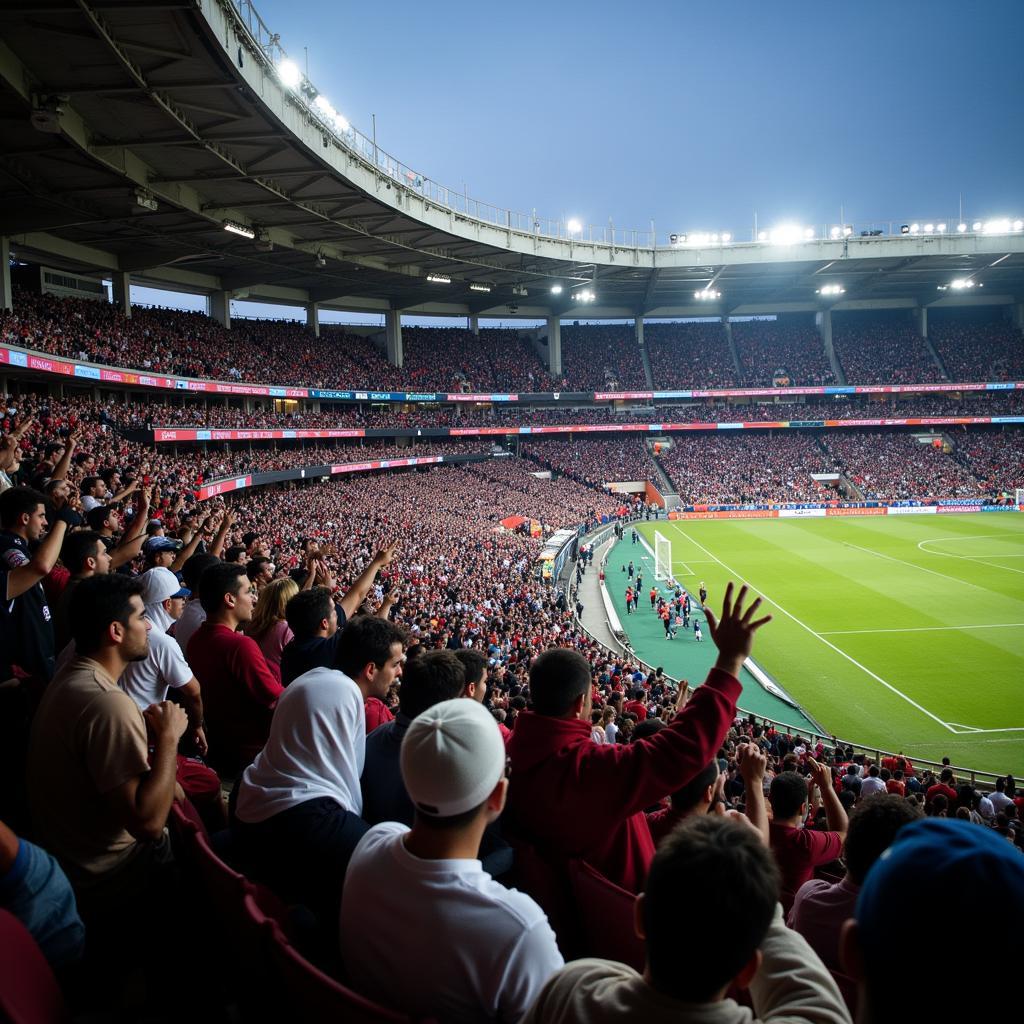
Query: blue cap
x=947, y=879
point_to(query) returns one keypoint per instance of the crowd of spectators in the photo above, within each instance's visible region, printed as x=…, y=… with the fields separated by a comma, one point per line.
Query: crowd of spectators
x=898, y=467
x=764, y=347
x=995, y=457
x=595, y=461
x=601, y=357
x=415, y=567
x=739, y=469
x=883, y=352
x=689, y=355
x=979, y=351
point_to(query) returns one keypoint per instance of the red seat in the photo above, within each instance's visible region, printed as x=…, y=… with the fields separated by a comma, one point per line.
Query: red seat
x=29, y=993
x=606, y=915
x=313, y=996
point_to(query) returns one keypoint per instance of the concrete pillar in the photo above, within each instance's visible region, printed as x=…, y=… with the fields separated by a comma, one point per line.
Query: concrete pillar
x=5, y=274
x=474, y=324
x=313, y=317
x=1018, y=312
x=393, y=328
x=554, y=346
x=825, y=330
x=921, y=316
x=727, y=328
x=638, y=328
x=220, y=308
x=122, y=289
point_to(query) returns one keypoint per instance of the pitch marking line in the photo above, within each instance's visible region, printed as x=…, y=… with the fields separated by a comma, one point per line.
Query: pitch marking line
x=923, y=629
x=971, y=558
x=827, y=643
x=912, y=565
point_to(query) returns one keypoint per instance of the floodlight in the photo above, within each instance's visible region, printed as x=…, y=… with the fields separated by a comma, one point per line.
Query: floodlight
x=929, y=228
x=960, y=283
x=847, y=231
x=762, y=236
x=707, y=295
x=1000, y=226
x=1018, y=225
x=835, y=232
x=340, y=123
x=940, y=228
x=831, y=289
x=976, y=226
x=475, y=287
x=961, y=227
x=915, y=228
x=289, y=73
x=808, y=233
x=556, y=289
x=439, y=278
x=574, y=227
x=789, y=234
x=239, y=229
x=726, y=237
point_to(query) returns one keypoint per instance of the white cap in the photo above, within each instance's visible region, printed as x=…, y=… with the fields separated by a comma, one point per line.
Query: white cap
x=452, y=758
x=158, y=585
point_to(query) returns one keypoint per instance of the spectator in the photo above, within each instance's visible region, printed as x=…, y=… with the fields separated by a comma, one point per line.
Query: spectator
x=35, y=890
x=25, y=626
x=99, y=800
x=872, y=783
x=83, y=555
x=821, y=907
x=239, y=689
x=296, y=808
x=474, y=665
x=719, y=873
x=798, y=849
x=928, y=857
x=193, y=615
x=576, y=799
x=268, y=627
x=405, y=884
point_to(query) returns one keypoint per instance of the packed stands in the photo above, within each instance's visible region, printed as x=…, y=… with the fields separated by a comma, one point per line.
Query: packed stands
x=979, y=351
x=765, y=347
x=878, y=351
x=898, y=467
x=689, y=355
x=716, y=470
x=595, y=461
x=601, y=357
x=995, y=457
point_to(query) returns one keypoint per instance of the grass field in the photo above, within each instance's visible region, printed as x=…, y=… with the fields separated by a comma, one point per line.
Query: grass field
x=906, y=632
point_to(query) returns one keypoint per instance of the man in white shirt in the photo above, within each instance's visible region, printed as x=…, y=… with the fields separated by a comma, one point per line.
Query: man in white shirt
x=872, y=783
x=405, y=886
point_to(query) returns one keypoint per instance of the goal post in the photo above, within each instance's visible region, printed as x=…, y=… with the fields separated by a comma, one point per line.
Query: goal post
x=662, y=557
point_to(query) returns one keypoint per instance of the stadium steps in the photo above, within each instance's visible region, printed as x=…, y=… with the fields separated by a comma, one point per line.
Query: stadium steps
x=936, y=358
x=648, y=375
x=855, y=493
x=837, y=367
x=734, y=352
x=664, y=484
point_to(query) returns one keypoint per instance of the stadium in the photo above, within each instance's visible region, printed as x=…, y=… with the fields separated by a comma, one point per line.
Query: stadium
x=500, y=436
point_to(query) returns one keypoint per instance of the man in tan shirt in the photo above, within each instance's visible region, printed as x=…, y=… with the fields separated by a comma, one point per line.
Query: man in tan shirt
x=99, y=800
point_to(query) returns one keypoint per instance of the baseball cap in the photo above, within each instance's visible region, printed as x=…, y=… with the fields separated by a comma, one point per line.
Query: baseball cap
x=157, y=544
x=953, y=879
x=159, y=584
x=452, y=757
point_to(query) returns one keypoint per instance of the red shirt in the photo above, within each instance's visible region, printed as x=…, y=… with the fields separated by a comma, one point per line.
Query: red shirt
x=377, y=713
x=896, y=786
x=571, y=797
x=798, y=851
x=638, y=708
x=239, y=692
x=940, y=787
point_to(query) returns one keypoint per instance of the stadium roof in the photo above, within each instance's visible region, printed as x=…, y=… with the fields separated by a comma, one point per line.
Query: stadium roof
x=111, y=108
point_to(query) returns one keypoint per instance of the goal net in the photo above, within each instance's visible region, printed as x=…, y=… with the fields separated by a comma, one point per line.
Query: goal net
x=662, y=557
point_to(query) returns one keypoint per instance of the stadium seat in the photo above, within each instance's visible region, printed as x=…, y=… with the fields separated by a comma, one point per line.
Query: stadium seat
x=606, y=915
x=29, y=993
x=314, y=996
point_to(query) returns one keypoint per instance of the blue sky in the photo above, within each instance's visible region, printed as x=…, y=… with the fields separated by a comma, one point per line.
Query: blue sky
x=694, y=116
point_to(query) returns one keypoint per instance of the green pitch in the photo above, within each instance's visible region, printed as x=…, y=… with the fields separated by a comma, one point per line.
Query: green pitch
x=906, y=632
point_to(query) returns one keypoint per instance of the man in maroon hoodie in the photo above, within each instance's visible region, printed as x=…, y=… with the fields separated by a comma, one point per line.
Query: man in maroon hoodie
x=571, y=797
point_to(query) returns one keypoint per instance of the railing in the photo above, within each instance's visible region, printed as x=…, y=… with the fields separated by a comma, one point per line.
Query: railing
x=460, y=203
x=977, y=777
